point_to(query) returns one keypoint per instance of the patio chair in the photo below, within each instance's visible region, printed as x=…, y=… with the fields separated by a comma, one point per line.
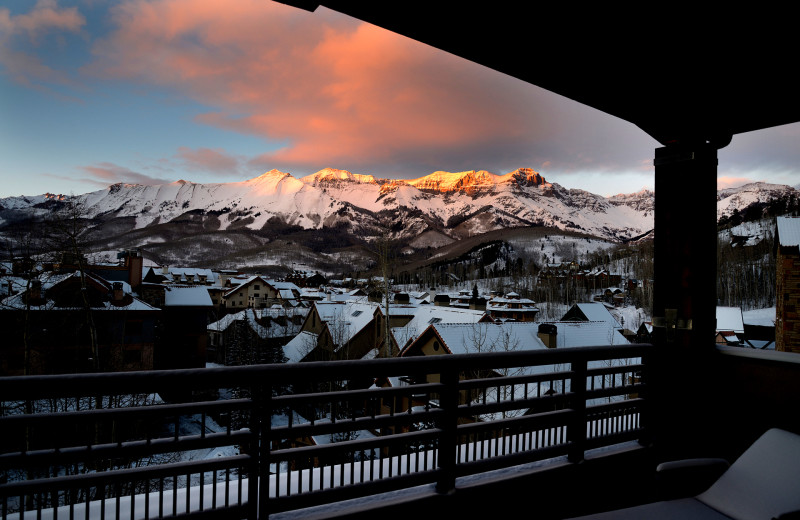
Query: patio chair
x=763, y=484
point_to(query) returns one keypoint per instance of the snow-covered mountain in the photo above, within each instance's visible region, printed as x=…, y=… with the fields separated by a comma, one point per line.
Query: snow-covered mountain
x=457, y=204
x=756, y=197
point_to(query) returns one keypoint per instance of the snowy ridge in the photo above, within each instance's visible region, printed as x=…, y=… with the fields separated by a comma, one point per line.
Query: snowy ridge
x=457, y=204
x=731, y=199
x=452, y=204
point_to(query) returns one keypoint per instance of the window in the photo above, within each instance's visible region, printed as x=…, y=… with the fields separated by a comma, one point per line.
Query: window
x=131, y=357
x=133, y=328
x=434, y=320
x=357, y=313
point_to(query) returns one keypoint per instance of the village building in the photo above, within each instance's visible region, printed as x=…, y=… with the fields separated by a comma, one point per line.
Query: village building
x=183, y=340
x=451, y=338
x=258, y=293
x=253, y=336
x=343, y=330
x=305, y=279
x=180, y=276
x=52, y=325
x=512, y=307
x=410, y=321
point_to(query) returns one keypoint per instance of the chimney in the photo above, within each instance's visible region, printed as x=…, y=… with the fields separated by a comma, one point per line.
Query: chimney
x=117, y=294
x=441, y=300
x=477, y=304
x=35, y=292
x=548, y=333
x=134, y=263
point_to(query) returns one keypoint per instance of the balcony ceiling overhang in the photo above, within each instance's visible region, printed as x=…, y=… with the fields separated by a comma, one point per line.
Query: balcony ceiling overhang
x=679, y=74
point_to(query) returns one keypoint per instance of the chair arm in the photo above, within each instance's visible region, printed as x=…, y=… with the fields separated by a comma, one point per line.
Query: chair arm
x=689, y=477
x=693, y=464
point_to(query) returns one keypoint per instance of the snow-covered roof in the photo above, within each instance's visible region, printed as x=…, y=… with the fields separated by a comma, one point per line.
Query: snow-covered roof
x=425, y=315
x=587, y=334
x=187, y=297
x=789, y=231
x=281, y=286
x=299, y=346
x=255, y=318
x=761, y=317
x=730, y=318
x=286, y=294
x=345, y=320
x=48, y=281
x=596, y=311
x=463, y=338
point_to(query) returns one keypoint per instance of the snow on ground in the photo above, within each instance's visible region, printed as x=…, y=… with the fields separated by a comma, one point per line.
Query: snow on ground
x=555, y=248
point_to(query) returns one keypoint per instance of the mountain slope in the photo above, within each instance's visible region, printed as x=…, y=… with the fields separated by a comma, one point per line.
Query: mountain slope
x=456, y=204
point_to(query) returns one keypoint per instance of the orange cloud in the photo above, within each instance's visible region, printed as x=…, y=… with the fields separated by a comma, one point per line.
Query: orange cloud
x=346, y=90
x=107, y=173
x=732, y=182
x=206, y=159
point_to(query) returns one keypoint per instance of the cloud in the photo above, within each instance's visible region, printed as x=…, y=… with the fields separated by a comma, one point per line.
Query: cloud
x=732, y=182
x=22, y=34
x=208, y=160
x=43, y=18
x=336, y=91
x=104, y=174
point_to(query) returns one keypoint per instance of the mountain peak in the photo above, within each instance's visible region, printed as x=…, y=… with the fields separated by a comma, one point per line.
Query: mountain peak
x=272, y=173
x=327, y=175
x=524, y=177
x=454, y=181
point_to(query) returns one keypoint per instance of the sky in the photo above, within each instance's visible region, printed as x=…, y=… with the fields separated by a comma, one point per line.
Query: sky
x=96, y=92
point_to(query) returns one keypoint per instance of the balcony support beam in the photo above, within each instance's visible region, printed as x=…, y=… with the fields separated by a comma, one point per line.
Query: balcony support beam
x=684, y=295
x=684, y=301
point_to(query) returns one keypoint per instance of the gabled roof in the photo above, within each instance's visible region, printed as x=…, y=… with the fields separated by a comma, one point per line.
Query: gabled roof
x=587, y=334
x=187, y=297
x=244, y=283
x=464, y=338
x=345, y=320
x=61, y=282
x=425, y=315
x=730, y=319
x=788, y=231
x=594, y=311
x=299, y=347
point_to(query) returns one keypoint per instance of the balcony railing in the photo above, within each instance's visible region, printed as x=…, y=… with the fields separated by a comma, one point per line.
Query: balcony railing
x=249, y=441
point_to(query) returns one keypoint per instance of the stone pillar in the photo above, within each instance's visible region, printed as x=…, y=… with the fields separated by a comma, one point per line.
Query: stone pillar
x=787, y=299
